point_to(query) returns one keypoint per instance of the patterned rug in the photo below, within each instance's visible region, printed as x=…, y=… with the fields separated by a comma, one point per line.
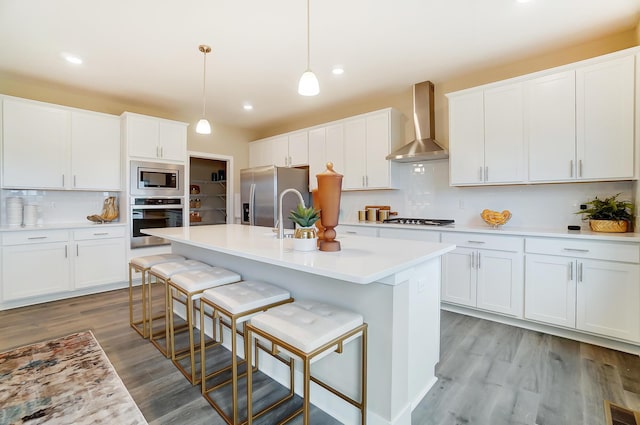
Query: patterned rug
x=67, y=380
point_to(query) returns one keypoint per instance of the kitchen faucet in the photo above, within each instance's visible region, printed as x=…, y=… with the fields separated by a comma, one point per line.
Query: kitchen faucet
x=280, y=220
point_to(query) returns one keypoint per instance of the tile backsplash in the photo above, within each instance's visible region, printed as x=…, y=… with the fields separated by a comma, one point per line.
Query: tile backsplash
x=58, y=207
x=425, y=192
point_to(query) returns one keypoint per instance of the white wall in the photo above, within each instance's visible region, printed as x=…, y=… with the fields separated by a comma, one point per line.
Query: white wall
x=425, y=193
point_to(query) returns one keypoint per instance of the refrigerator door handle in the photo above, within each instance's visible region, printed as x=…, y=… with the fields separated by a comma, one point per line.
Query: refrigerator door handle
x=252, y=204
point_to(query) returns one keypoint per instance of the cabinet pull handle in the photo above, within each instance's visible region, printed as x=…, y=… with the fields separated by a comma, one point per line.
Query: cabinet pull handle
x=478, y=254
x=575, y=250
x=66, y=251
x=486, y=173
x=77, y=250
x=36, y=237
x=101, y=234
x=479, y=242
x=579, y=168
x=351, y=232
x=63, y=180
x=571, y=270
x=571, y=168
x=161, y=151
x=579, y=272
x=481, y=175
x=367, y=180
x=74, y=181
x=473, y=260
x=362, y=181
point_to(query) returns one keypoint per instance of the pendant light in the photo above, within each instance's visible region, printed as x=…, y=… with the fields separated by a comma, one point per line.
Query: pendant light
x=308, y=85
x=203, y=126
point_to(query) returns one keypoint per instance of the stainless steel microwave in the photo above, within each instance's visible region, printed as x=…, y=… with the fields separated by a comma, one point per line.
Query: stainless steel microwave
x=156, y=179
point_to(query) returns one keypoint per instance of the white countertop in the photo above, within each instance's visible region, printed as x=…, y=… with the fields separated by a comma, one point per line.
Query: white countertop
x=362, y=260
x=60, y=226
x=508, y=230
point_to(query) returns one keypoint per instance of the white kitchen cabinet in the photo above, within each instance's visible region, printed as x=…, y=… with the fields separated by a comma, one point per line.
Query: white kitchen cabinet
x=52, y=147
x=605, y=100
x=484, y=272
x=486, y=136
x=35, y=263
x=411, y=234
x=551, y=129
x=285, y=150
x=95, y=151
x=154, y=138
x=589, y=286
x=260, y=153
x=580, y=123
x=35, y=145
x=368, y=139
x=326, y=144
x=98, y=257
x=345, y=229
x=298, y=148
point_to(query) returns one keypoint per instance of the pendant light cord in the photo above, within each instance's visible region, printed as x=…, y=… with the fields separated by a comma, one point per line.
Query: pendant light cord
x=204, y=82
x=308, y=38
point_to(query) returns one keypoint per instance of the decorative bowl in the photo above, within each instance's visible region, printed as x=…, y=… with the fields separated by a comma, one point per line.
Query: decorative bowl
x=495, y=218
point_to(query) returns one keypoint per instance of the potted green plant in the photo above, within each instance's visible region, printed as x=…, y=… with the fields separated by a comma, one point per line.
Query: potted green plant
x=305, y=236
x=609, y=214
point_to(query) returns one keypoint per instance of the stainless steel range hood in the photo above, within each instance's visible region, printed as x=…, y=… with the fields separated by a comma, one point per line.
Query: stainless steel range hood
x=424, y=147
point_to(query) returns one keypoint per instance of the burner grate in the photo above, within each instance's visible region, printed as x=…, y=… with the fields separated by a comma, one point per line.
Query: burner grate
x=420, y=221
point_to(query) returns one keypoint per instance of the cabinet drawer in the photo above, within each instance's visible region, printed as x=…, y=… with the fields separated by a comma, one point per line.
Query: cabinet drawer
x=36, y=236
x=417, y=235
x=102, y=233
x=624, y=252
x=357, y=230
x=482, y=241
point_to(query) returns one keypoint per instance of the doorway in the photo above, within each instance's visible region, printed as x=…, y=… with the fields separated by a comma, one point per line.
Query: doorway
x=210, y=189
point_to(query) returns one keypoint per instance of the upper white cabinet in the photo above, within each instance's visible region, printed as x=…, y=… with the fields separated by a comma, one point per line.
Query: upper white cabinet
x=326, y=144
x=154, y=138
x=486, y=136
x=574, y=123
x=580, y=123
x=52, y=147
x=286, y=150
x=368, y=139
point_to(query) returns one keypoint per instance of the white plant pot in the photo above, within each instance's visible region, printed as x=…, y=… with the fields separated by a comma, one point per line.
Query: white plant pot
x=310, y=244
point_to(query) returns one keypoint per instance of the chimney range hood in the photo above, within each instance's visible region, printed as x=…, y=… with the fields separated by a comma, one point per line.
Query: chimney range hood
x=424, y=147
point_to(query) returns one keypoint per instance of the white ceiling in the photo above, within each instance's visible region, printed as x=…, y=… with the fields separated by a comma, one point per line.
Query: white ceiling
x=146, y=51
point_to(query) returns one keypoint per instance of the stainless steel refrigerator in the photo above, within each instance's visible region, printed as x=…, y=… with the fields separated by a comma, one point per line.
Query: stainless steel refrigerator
x=260, y=189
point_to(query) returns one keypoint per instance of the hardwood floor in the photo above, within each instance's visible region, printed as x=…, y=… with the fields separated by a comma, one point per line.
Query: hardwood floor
x=489, y=373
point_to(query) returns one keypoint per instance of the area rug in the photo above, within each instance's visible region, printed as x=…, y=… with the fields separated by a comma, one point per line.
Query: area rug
x=67, y=380
x=618, y=415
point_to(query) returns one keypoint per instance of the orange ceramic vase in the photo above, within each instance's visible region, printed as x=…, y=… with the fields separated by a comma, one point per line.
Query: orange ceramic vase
x=329, y=193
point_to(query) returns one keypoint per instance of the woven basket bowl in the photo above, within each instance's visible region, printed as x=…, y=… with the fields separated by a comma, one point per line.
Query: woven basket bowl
x=609, y=226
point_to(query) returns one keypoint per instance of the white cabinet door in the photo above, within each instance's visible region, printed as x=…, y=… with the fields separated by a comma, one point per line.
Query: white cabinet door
x=317, y=155
x=550, y=128
x=298, y=149
x=550, y=289
x=99, y=261
x=279, y=147
x=34, y=269
x=355, y=146
x=142, y=136
x=466, y=138
x=459, y=277
x=378, y=145
x=260, y=153
x=35, y=145
x=500, y=282
x=345, y=229
x=172, y=140
x=605, y=94
x=504, y=154
x=95, y=151
x=607, y=299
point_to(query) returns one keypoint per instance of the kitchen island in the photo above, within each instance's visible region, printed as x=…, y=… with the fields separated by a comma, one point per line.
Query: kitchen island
x=394, y=284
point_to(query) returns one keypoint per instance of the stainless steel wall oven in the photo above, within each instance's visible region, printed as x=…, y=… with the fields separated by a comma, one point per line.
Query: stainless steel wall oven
x=149, y=213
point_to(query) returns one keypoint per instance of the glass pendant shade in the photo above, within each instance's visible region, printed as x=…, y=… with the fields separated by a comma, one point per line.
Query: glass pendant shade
x=308, y=85
x=203, y=127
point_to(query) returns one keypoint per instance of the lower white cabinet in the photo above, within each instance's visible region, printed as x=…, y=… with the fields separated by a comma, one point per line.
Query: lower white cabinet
x=47, y=262
x=484, y=272
x=581, y=292
x=98, y=257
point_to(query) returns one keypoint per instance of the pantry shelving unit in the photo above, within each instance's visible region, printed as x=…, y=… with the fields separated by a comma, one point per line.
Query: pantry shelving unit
x=207, y=192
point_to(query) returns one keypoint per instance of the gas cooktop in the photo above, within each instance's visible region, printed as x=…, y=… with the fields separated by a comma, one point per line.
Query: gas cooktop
x=421, y=221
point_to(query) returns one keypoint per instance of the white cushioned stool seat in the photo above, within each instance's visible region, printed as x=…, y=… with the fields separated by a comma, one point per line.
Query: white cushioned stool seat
x=166, y=270
x=246, y=295
x=198, y=280
x=151, y=260
x=307, y=325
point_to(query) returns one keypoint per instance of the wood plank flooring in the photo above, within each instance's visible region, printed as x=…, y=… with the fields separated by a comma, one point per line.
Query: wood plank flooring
x=489, y=373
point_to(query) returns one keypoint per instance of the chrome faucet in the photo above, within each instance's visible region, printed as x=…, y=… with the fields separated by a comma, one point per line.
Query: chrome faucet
x=280, y=223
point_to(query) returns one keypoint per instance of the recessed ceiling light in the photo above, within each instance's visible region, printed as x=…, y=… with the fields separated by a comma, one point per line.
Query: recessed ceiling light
x=338, y=70
x=72, y=58
x=247, y=107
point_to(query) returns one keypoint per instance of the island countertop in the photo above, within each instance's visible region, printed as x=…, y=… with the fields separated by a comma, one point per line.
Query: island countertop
x=362, y=260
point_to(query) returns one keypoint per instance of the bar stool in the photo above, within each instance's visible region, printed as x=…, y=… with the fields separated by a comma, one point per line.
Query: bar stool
x=188, y=288
x=309, y=330
x=142, y=265
x=235, y=303
x=162, y=272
